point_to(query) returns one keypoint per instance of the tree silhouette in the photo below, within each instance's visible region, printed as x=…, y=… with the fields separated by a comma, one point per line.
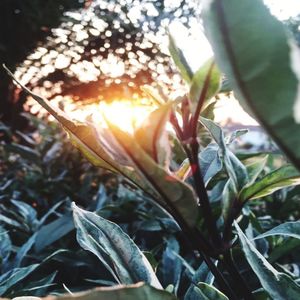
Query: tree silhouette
x=105, y=51
x=24, y=24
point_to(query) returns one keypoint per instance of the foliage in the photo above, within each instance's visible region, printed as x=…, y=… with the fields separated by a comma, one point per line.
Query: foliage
x=74, y=41
x=23, y=26
x=216, y=195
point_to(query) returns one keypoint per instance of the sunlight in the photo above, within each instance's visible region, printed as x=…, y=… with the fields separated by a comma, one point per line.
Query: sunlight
x=123, y=113
x=127, y=115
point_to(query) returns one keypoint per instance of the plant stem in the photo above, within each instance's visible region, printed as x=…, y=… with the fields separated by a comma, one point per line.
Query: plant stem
x=195, y=118
x=234, y=213
x=197, y=242
x=242, y=287
x=209, y=219
x=221, y=281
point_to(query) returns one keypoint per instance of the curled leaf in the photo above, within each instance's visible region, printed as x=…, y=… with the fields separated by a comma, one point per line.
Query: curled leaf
x=207, y=79
x=153, y=136
x=173, y=192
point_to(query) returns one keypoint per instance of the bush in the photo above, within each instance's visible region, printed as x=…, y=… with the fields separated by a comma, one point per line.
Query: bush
x=220, y=199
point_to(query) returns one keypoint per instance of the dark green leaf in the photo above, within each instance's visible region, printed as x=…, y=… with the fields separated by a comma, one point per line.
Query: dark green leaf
x=290, y=229
x=14, y=276
x=153, y=136
x=204, y=291
x=180, y=60
x=22, y=252
x=207, y=76
x=5, y=246
x=279, y=285
x=113, y=247
x=257, y=65
x=276, y=180
x=202, y=274
x=53, y=231
x=24, y=151
x=286, y=247
x=210, y=162
x=171, y=265
x=172, y=190
x=235, y=169
x=255, y=168
x=139, y=291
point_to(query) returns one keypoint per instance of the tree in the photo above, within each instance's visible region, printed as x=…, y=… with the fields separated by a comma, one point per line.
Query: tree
x=24, y=24
x=76, y=58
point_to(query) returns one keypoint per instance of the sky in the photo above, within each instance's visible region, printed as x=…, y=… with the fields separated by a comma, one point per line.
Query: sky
x=198, y=50
x=284, y=9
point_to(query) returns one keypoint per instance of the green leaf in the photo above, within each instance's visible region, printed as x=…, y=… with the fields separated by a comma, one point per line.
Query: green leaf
x=235, y=169
x=180, y=60
x=36, y=288
x=228, y=198
x=295, y=65
x=5, y=246
x=238, y=176
x=202, y=274
x=22, y=252
x=154, y=94
x=236, y=134
x=24, y=151
x=290, y=229
x=286, y=247
x=53, y=231
x=257, y=65
x=139, y=291
x=28, y=213
x=225, y=86
x=170, y=264
x=153, y=136
x=85, y=137
x=255, y=167
x=210, y=162
x=204, y=291
x=14, y=276
x=283, y=177
x=113, y=247
x=207, y=77
x=279, y=285
x=173, y=192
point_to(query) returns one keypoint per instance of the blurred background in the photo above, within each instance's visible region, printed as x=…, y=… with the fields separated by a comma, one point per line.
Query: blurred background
x=79, y=52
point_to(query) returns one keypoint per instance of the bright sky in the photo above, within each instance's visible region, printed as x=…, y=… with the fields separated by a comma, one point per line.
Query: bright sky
x=201, y=51
x=284, y=9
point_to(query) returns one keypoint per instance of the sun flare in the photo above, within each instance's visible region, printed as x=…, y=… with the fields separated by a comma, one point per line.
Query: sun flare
x=126, y=114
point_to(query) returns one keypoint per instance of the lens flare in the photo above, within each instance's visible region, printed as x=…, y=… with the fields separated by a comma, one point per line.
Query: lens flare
x=125, y=114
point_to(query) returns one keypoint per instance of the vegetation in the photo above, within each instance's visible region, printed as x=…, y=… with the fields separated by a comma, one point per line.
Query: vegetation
x=193, y=218
x=64, y=47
